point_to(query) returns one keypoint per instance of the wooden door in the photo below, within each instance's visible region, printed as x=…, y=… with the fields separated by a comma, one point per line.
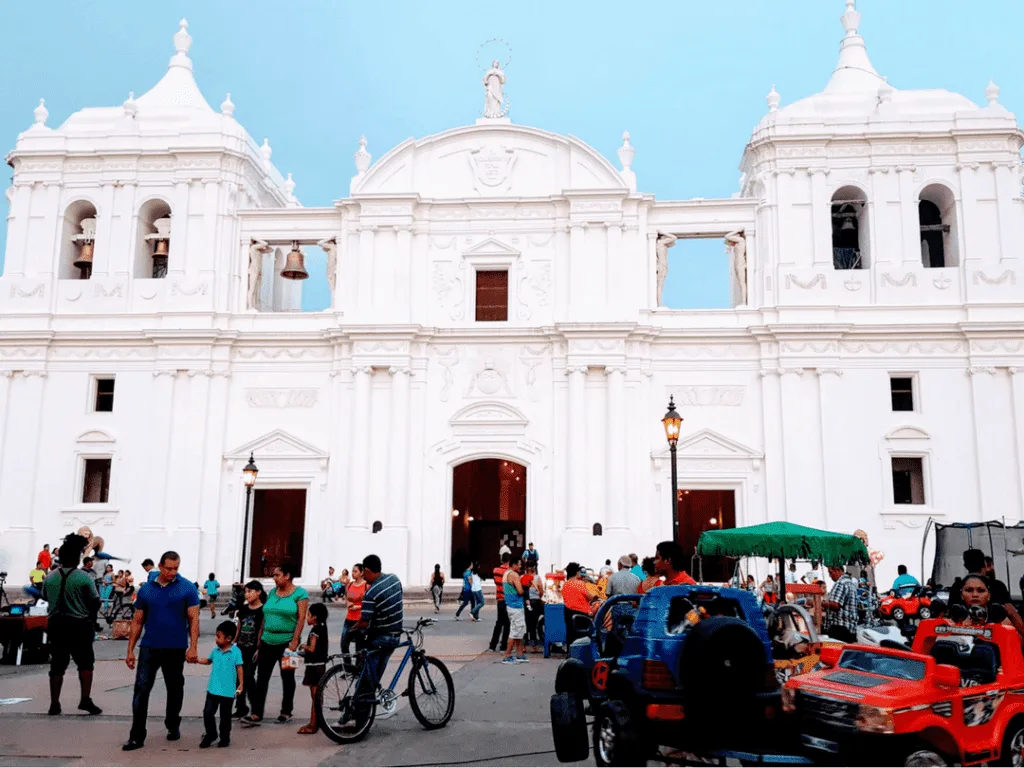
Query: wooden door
x=278, y=530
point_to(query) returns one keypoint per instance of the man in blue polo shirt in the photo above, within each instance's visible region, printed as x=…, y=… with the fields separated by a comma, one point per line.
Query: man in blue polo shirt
x=167, y=608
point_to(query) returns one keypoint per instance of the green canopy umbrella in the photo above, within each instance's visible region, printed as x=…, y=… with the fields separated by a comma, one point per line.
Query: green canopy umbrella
x=781, y=540
x=784, y=540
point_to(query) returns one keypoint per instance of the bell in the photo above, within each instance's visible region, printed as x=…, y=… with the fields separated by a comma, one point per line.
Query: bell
x=160, y=252
x=295, y=264
x=847, y=224
x=84, y=260
x=161, y=248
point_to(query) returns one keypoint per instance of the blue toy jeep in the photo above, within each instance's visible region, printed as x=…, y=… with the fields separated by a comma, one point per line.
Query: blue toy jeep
x=684, y=669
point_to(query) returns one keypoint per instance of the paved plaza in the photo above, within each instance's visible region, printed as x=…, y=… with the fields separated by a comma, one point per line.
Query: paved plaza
x=487, y=695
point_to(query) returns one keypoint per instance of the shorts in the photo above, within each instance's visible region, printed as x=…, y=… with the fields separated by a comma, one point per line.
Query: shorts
x=211, y=599
x=516, y=623
x=70, y=638
x=313, y=674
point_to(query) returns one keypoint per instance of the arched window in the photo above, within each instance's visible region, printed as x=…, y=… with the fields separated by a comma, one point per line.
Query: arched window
x=936, y=214
x=598, y=530
x=849, y=229
x=78, y=239
x=378, y=526
x=153, y=240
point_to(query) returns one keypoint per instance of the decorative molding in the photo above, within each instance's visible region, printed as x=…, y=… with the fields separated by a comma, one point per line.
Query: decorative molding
x=33, y=374
x=18, y=293
x=367, y=369
x=488, y=416
x=819, y=348
x=903, y=348
x=101, y=292
x=908, y=279
x=852, y=284
x=795, y=371
x=177, y=289
x=571, y=369
x=488, y=382
x=817, y=281
x=977, y=370
x=272, y=353
x=394, y=370
x=448, y=288
x=276, y=445
x=609, y=369
x=942, y=282
x=907, y=432
x=282, y=398
x=94, y=436
x=703, y=396
x=1007, y=276
x=826, y=371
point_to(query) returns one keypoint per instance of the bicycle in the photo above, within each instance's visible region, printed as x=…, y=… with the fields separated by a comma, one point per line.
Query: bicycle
x=117, y=606
x=349, y=693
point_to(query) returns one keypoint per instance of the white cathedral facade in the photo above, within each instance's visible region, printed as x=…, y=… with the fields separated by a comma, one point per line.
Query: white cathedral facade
x=495, y=297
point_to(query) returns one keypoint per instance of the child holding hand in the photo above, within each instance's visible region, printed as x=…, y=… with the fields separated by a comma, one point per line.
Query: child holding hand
x=226, y=682
x=315, y=653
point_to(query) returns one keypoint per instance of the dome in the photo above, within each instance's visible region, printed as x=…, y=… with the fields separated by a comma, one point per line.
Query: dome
x=857, y=93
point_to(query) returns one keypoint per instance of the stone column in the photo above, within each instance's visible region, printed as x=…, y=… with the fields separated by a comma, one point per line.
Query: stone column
x=576, y=278
x=193, y=460
x=1007, y=190
x=397, y=515
x=1017, y=385
x=651, y=270
x=615, y=469
x=987, y=410
x=104, y=254
x=179, y=230
x=402, y=265
x=577, y=448
x=910, y=223
x=364, y=264
x=616, y=274
x=17, y=232
x=821, y=217
x=7, y=511
x=831, y=447
x=774, y=454
x=159, y=449
x=359, y=498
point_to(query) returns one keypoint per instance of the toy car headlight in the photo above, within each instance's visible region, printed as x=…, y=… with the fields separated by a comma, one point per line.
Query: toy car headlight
x=875, y=720
x=788, y=699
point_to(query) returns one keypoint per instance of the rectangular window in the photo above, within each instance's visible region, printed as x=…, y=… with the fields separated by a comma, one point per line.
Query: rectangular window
x=96, y=488
x=902, y=390
x=907, y=480
x=492, y=295
x=104, y=395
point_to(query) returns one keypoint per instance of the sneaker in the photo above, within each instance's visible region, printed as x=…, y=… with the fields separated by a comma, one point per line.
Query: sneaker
x=54, y=709
x=226, y=743
x=131, y=745
x=173, y=735
x=522, y=660
x=509, y=660
x=206, y=742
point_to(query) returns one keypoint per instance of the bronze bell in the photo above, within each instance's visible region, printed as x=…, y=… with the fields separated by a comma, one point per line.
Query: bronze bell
x=84, y=260
x=295, y=264
x=161, y=249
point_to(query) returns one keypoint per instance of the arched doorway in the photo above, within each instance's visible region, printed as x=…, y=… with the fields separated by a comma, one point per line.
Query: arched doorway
x=488, y=510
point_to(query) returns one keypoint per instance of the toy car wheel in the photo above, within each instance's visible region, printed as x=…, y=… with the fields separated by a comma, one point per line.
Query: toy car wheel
x=1013, y=745
x=924, y=612
x=899, y=614
x=615, y=737
x=924, y=757
x=569, y=728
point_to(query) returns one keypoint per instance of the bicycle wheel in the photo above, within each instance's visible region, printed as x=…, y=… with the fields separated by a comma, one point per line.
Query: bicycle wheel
x=431, y=692
x=345, y=705
x=124, y=612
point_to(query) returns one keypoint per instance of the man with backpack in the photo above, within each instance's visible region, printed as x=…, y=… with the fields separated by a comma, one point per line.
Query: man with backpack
x=73, y=602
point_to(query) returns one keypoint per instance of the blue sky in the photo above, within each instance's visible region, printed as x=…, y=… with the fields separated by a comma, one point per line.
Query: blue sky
x=686, y=78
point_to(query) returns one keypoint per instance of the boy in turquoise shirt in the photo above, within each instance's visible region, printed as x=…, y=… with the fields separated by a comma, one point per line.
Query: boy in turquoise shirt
x=225, y=683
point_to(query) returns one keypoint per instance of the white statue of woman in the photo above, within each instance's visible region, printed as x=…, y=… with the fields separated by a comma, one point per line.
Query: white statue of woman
x=256, y=251
x=661, y=246
x=331, y=248
x=494, y=96
x=737, y=246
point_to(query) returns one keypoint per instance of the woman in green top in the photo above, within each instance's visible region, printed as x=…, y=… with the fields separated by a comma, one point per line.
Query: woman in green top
x=284, y=615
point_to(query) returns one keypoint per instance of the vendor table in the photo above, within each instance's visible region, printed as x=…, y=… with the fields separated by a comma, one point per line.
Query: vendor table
x=21, y=633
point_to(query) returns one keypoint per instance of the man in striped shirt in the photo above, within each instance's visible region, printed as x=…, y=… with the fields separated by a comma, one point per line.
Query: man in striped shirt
x=382, y=611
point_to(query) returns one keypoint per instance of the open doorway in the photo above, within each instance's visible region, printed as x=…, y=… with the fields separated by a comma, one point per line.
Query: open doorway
x=278, y=530
x=705, y=510
x=488, y=510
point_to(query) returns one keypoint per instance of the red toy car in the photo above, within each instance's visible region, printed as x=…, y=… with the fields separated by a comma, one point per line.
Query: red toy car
x=956, y=698
x=915, y=605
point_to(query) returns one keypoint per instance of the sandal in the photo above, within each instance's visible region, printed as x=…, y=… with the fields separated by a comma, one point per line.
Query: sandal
x=309, y=729
x=283, y=718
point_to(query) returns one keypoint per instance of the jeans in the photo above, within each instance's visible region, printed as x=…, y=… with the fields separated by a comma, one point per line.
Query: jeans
x=501, y=628
x=33, y=591
x=382, y=647
x=533, y=615
x=107, y=556
x=249, y=676
x=478, y=603
x=213, y=703
x=466, y=598
x=269, y=658
x=170, y=661
x=348, y=634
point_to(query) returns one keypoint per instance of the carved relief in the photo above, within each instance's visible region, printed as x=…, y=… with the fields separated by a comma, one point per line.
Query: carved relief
x=1006, y=277
x=492, y=168
x=448, y=288
x=177, y=289
x=942, y=282
x=488, y=381
x=696, y=396
x=282, y=398
x=448, y=360
x=103, y=293
x=903, y=348
x=816, y=347
x=908, y=279
x=249, y=353
x=18, y=293
x=534, y=284
x=817, y=280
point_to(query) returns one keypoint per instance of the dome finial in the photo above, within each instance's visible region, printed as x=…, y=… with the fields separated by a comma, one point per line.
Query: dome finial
x=182, y=42
x=851, y=18
x=266, y=152
x=992, y=93
x=773, y=99
x=40, y=113
x=227, y=107
x=289, y=187
x=626, y=155
x=130, y=107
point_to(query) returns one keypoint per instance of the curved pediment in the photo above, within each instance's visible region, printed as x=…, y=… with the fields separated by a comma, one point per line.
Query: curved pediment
x=907, y=432
x=94, y=436
x=488, y=415
x=490, y=161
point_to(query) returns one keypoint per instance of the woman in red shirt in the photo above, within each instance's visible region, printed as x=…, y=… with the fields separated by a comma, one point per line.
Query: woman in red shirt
x=354, y=596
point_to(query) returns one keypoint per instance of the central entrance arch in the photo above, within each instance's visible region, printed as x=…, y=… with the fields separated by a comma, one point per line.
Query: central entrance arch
x=488, y=511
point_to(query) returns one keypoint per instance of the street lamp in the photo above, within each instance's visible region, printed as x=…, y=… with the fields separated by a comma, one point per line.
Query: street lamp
x=672, y=421
x=249, y=472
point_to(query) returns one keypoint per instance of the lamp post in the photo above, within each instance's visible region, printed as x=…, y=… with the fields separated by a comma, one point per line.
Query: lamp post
x=249, y=472
x=672, y=421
